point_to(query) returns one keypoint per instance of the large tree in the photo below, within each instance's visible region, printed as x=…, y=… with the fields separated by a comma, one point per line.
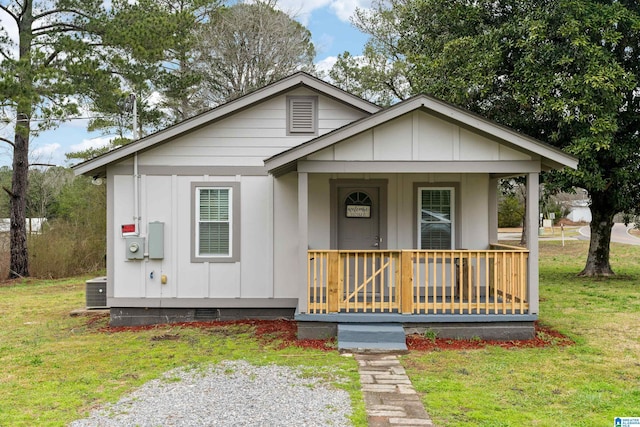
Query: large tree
x=182, y=81
x=250, y=45
x=192, y=55
x=564, y=71
x=156, y=41
x=42, y=75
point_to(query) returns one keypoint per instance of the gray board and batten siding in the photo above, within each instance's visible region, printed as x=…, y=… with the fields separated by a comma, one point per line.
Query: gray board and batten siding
x=282, y=183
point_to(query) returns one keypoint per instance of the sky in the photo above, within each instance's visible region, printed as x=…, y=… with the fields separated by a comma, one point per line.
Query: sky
x=332, y=34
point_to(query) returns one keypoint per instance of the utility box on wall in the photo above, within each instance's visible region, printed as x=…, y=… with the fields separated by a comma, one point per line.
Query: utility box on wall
x=156, y=240
x=134, y=247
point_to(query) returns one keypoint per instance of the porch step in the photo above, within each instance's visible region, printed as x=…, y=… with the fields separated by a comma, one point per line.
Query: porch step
x=377, y=337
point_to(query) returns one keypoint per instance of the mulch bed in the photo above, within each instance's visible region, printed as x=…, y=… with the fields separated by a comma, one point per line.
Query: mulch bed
x=282, y=333
x=545, y=337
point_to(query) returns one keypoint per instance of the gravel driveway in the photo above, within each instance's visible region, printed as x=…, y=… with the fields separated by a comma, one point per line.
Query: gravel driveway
x=229, y=394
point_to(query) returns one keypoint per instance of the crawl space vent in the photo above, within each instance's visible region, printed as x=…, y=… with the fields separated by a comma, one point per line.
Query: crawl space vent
x=207, y=314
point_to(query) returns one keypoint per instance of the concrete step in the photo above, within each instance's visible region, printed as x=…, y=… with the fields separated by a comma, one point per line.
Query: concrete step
x=371, y=337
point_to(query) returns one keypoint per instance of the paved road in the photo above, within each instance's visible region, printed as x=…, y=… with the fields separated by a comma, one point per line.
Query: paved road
x=619, y=234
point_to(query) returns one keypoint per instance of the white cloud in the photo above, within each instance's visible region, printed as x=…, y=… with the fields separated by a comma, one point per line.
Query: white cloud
x=45, y=150
x=47, y=153
x=88, y=143
x=79, y=122
x=326, y=64
x=302, y=9
x=323, y=43
x=344, y=10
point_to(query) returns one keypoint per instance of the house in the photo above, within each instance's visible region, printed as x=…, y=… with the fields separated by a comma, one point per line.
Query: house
x=302, y=200
x=33, y=225
x=579, y=211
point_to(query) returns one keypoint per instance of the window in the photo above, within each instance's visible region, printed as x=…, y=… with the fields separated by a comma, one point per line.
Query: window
x=302, y=115
x=215, y=222
x=435, y=218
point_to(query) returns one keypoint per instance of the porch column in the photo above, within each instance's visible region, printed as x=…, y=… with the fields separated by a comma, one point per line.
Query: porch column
x=532, y=219
x=493, y=210
x=303, y=239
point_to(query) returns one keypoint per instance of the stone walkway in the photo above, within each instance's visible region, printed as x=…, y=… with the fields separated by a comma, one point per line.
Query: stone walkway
x=389, y=397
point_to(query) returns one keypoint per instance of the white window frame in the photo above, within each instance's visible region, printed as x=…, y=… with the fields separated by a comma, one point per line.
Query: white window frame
x=233, y=220
x=452, y=199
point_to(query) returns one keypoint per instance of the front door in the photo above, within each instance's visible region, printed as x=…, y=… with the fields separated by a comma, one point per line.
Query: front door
x=359, y=230
x=359, y=218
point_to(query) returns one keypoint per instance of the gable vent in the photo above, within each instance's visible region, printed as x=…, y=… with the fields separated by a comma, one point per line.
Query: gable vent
x=302, y=115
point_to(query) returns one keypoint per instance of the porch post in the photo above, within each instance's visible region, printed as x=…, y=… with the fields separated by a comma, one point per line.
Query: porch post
x=493, y=210
x=303, y=240
x=406, y=283
x=532, y=219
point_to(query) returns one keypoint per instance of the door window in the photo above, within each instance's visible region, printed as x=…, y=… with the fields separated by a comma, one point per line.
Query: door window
x=435, y=218
x=358, y=205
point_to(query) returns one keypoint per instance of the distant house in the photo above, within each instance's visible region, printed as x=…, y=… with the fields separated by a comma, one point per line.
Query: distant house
x=302, y=200
x=579, y=211
x=34, y=225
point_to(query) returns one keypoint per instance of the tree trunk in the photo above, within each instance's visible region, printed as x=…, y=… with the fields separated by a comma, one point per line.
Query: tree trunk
x=600, y=242
x=19, y=264
x=523, y=237
x=19, y=259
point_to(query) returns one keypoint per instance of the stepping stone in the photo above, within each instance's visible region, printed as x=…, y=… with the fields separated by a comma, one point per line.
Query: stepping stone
x=389, y=397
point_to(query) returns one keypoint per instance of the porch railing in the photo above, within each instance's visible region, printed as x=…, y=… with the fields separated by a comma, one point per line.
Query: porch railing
x=492, y=281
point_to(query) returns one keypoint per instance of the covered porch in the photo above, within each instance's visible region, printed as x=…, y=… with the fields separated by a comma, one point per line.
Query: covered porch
x=397, y=220
x=490, y=281
x=477, y=288
x=420, y=282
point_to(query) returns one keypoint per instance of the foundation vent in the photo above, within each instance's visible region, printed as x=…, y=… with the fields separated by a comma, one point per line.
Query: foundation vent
x=207, y=314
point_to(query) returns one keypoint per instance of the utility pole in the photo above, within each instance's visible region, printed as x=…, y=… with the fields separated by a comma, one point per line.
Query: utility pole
x=132, y=105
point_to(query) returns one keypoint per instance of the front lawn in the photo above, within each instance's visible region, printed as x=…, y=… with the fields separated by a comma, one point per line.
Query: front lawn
x=56, y=368
x=586, y=384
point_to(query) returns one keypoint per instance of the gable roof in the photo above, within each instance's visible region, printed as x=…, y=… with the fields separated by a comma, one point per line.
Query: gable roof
x=97, y=165
x=551, y=157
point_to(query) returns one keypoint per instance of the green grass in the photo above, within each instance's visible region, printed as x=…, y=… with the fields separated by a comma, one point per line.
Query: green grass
x=56, y=368
x=587, y=384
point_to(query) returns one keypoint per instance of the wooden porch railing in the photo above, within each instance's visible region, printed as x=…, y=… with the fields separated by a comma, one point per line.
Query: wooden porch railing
x=492, y=281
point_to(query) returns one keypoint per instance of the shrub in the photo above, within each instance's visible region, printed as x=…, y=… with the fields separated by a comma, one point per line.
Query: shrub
x=66, y=249
x=510, y=211
x=73, y=239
